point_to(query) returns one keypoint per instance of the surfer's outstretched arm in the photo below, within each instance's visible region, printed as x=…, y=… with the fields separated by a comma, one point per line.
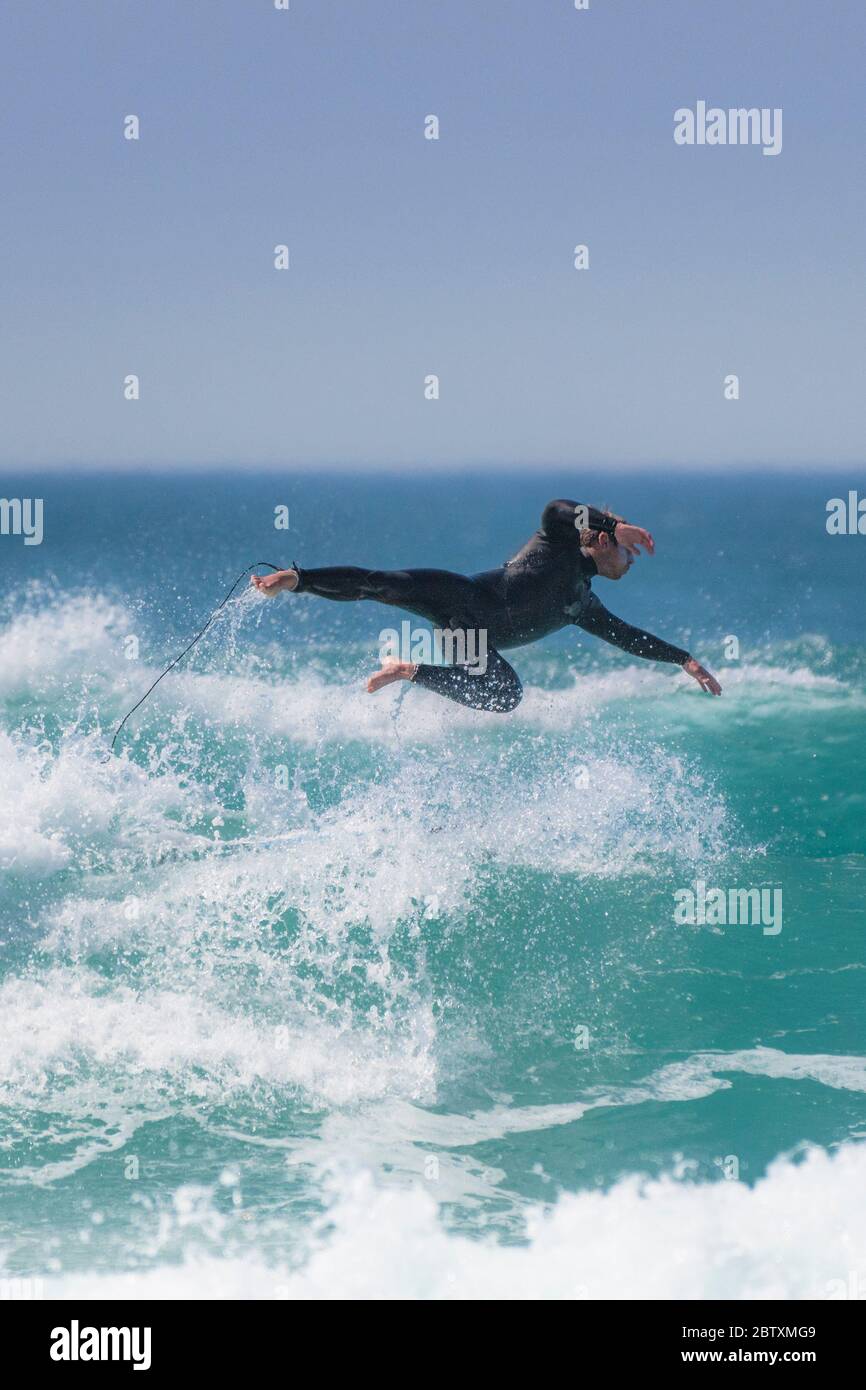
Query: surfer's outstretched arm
x=596, y=619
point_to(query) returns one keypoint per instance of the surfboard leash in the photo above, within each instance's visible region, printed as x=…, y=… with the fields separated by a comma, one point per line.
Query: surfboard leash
x=249, y=569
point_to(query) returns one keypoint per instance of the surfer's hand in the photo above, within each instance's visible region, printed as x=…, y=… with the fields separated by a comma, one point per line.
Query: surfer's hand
x=632, y=537
x=702, y=676
x=269, y=585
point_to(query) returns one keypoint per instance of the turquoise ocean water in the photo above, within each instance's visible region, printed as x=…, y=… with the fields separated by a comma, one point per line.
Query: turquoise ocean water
x=308, y=993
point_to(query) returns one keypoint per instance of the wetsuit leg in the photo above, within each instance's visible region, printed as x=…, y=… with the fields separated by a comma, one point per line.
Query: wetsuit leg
x=498, y=689
x=446, y=600
x=437, y=595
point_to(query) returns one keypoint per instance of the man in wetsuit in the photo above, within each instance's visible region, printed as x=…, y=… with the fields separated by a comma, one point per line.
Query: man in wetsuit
x=546, y=586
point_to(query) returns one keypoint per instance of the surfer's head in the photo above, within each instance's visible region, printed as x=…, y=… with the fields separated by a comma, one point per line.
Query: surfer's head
x=611, y=560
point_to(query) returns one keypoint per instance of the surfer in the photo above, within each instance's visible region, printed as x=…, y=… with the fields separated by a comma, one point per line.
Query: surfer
x=544, y=587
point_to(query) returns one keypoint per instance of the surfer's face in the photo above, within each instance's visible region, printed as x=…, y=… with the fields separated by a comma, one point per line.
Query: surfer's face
x=612, y=560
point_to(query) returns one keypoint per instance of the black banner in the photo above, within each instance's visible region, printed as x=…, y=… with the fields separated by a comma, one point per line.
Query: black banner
x=159, y=1337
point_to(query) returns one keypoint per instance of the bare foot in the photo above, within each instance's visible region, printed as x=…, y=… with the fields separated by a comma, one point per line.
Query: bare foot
x=392, y=670
x=272, y=584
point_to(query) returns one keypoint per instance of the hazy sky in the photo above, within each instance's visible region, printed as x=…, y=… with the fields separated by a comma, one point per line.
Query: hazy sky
x=411, y=257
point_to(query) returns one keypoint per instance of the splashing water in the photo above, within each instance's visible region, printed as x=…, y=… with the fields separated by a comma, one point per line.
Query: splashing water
x=300, y=964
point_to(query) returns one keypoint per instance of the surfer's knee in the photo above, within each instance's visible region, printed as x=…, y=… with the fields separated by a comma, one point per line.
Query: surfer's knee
x=508, y=698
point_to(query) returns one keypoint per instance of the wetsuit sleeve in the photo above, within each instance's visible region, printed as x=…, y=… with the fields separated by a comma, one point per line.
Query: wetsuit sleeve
x=559, y=517
x=596, y=619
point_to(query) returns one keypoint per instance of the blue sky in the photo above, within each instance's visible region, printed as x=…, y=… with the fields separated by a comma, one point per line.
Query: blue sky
x=411, y=257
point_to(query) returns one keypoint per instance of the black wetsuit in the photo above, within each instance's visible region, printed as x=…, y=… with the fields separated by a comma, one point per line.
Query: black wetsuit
x=546, y=586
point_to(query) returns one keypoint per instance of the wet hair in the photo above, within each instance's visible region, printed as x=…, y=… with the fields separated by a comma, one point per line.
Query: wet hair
x=589, y=537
